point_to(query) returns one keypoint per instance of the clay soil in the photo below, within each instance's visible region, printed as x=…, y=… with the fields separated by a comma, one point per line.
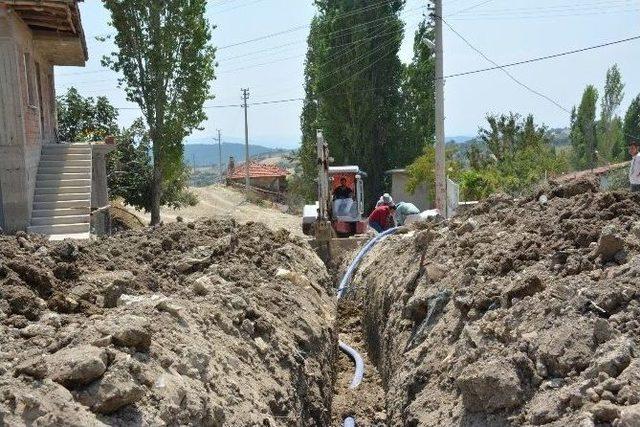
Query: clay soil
x=205, y=323
x=518, y=313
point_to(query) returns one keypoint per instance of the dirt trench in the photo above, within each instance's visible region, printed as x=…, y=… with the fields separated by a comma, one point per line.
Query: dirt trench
x=204, y=323
x=520, y=313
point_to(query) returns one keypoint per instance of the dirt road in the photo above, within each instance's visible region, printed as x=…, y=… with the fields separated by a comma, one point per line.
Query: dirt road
x=217, y=200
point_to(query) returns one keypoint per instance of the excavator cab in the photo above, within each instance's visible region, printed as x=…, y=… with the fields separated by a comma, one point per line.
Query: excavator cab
x=346, y=214
x=332, y=216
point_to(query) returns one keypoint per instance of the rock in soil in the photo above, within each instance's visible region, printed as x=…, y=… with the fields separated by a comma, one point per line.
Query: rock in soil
x=542, y=321
x=184, y=324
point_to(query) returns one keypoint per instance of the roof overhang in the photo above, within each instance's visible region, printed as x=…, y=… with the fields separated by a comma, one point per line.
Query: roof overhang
x=56, y=27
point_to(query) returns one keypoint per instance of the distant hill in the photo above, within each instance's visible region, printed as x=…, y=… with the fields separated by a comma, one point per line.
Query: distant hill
x=207, y=154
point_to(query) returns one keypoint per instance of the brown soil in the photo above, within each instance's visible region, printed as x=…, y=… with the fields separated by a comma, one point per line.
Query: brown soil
x=218, y=200
x=365, y=403
x=524, y=313
x=206, y=323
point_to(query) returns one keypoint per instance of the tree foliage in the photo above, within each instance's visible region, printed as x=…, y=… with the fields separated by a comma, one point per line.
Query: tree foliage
x=632, y=121
x=167, y=63
x=611, y=144
x=85, y=119
x=130, y=172
x=352, y=82
x=510, y=154
x=583, y=130
x=417, y=112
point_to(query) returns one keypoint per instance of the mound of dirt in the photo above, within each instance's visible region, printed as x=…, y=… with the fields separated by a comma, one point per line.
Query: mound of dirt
x=206, y=323
x=520, y=313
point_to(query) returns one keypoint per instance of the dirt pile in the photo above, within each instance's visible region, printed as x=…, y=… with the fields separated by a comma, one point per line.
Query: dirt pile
x=520, y=313
x=206, y=323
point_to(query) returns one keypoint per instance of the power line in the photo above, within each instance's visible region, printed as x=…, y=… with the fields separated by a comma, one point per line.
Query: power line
x=482, y=3
x=544, y=58
x=555, y=8
x=511, y=76
x=549, y=15
x=460, y=74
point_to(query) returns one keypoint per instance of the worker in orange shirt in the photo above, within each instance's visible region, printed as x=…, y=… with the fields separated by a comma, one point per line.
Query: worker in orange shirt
x=381, y=218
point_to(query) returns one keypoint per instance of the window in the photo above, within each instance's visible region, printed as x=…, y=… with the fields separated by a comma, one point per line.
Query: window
x=28, y=73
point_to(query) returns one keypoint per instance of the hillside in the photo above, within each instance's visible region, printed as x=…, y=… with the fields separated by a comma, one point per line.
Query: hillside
x=207, y=154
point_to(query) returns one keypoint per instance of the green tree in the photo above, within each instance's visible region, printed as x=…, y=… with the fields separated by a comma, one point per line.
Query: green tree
x=418, y=97
x=511, y=154
x=610, y=134
x=583, y=129
x=85, y=119
x=353, y=77
x=130, y=172
x=631, y=127
x=167, y=63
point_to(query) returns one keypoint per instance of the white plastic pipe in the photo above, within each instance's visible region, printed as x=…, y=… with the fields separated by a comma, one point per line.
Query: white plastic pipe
x=344, y=283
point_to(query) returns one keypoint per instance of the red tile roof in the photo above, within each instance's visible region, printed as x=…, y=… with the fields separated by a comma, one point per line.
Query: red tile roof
x=258, y=170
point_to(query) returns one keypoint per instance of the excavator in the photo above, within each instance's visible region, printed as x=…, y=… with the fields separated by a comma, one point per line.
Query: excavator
x=335, y=225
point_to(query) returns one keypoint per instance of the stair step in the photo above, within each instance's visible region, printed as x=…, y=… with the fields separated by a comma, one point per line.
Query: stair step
x=55, y=197
x=59, y=228
x=63, y=176
x=62, y=204
x=44, y=163
x=53, y=170
x=63, y=157
x=49, y=148
x=57, y=190
x=63, y=219
x=45, y=213
x=62, y=183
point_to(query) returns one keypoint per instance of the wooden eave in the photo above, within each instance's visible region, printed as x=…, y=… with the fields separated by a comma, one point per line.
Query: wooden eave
x=56, y=27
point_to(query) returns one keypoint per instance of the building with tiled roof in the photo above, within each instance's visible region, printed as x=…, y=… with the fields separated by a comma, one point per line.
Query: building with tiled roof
x=267, y=177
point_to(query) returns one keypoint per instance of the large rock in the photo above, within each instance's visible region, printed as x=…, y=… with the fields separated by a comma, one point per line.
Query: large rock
x=609, y=244
x=117, y=388
x=77, y=366
x=490, y=386
x=131, y=331
x=111, y=285
x=630, y=416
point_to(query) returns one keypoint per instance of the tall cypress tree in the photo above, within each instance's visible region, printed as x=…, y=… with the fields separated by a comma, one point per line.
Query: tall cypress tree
x=353, y=77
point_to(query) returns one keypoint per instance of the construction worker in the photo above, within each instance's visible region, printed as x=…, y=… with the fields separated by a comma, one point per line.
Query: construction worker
x=406, y=213
x=381, y=218
x=385, y=200
x=634, y=169
x=342, y=191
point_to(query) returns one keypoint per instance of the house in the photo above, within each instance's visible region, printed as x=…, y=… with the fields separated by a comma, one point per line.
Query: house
x=399, y=192
x=262, y=176
x=45, y=184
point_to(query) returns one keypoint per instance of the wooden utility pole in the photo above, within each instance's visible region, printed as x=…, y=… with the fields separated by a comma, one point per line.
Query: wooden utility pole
x=220, y=154
x=247, y=182
x=440, y=172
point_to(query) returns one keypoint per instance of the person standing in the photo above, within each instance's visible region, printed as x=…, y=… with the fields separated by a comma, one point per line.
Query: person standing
x=381, y=218
x=406, y=213
x=634, y=169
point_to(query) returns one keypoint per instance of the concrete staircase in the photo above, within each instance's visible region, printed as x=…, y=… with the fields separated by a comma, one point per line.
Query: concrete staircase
x=62, y=200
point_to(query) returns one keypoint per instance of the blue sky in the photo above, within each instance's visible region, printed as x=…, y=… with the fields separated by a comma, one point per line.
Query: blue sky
x=505, y=30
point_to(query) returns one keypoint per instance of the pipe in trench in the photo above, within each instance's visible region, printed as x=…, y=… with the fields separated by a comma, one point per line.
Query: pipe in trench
x=344, y=283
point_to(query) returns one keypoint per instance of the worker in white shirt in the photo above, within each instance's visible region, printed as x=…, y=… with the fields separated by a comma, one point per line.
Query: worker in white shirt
x=634, y=169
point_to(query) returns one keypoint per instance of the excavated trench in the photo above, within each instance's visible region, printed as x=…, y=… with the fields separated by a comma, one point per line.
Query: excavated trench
x=521, y=313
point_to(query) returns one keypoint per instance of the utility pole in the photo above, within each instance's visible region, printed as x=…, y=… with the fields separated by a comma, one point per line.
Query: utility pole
x=220, y=154
x=245, y=97
x=441, y=177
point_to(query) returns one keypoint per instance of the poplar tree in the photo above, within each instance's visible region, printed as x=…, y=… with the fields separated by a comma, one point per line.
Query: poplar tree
x=167, y=62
